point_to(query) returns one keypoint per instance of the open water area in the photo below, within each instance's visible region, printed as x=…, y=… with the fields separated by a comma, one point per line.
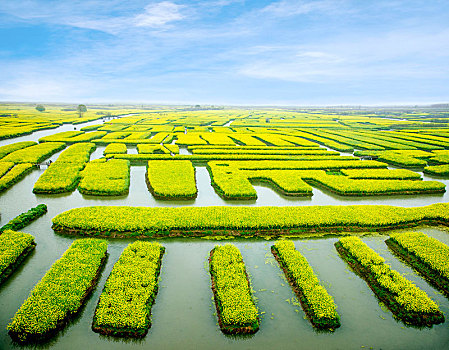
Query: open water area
x=184, y=315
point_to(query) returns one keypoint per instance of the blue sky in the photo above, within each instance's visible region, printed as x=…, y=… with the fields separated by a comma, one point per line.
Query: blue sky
x=318, y=52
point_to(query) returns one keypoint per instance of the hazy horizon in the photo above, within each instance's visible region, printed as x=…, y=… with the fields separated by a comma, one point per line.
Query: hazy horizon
x=225, y=52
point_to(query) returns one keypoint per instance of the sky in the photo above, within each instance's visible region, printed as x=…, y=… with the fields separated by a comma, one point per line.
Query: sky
x=225, y=52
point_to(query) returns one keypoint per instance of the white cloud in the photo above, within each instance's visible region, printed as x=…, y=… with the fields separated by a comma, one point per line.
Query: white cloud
x=29, y=85
x=402, y=54
x=96, y=15
x=287, y=8
x=159, y=14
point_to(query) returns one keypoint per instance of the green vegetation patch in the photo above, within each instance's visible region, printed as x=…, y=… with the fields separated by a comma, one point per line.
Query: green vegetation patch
x=316, y=302
x=124, y=307
x=115, y=148
x=24, y=219
x=399, y=174
x=34, y=154
x=439, y=170
x=405, y=158
x=146, y=148
x=143, y=157
x=402, y=297
x=230, y=182
x=346, y=186
x=73, y=136
x=236, y=310
x=60, y=293
x=14, y=174
x=268, y=150
x=172, y=180
x=64, y=174
x=118, y=221
x=5, y=150
x=425, y=254
x=14, y=248
x=103, y=177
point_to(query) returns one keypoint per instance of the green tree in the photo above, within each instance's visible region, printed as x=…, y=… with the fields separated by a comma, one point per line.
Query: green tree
x=40, y=108
x=81, y=109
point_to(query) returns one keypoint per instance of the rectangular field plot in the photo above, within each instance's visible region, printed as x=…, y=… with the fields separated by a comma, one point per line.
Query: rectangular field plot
x=124, y=307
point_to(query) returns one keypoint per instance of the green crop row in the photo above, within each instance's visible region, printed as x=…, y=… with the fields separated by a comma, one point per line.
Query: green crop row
x=136, y=135
x=172, y=148
x=5, y=167
x=14, y=247
x=125, y=141
x=91, y=127
x=14, y=175
x=247, y=140
x=399, y=174
x=34, y=154
x=324, y=141
x=10, y=132
x=230, y=156
x=200, y=148
x=276, y=140
x=371, y=138
x=60, y=135
x=116, y=135
x=270, y=151
x=64, y=174
x=5, y=150
x=340, y=138
x=73, y=138
x=307, y=162
x=60, y=293
x=163, y=137
x=439, y=157
x=171, y=180
x=78, y=153
x=402, y=297
x=434, y=141
x=215, y=138
x=230, y=182
x=236, y=310
x=412, y=144
x=346, y=163
x=430, y=254
x=317, y=303
x=406, y=158
x=439, y=170
x=288, y=182
x=146, y=148
x=124, y=307
x=163, y=221
x=190, y=139
x=297, y=140
x=22, y=220
x=115, y=148
x=59, y=178
x=345, y=186
x=103, y=177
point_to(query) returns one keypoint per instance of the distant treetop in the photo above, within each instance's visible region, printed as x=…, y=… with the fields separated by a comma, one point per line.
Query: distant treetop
x=40, y=108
